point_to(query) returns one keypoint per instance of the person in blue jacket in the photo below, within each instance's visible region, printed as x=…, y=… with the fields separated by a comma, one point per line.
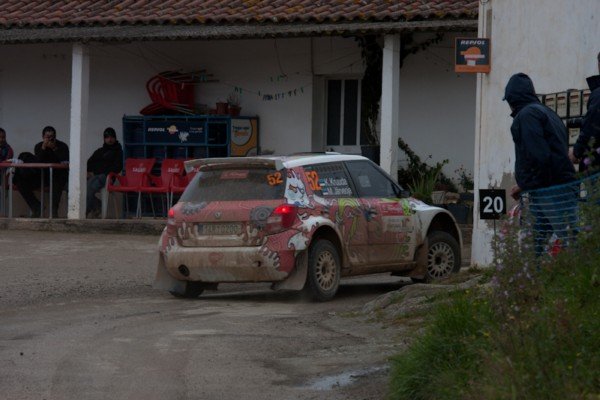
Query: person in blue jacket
x=542, y=162
x=588, y=142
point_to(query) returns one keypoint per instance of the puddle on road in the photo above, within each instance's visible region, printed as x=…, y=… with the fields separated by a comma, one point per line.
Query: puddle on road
x=343, y=379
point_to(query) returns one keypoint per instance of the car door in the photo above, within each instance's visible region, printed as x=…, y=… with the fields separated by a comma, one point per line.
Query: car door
x=390, y=220
x=333, y=189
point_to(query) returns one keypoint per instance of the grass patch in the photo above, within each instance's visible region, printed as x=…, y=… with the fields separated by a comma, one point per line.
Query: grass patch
x=532, y=333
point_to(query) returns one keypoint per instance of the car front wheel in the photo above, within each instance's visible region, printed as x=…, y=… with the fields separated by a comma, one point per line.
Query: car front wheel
x=324, y=269
x=443, y=255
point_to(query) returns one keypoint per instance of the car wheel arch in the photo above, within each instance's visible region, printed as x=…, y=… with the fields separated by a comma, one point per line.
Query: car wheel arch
x=445, y=223
x=329, y=233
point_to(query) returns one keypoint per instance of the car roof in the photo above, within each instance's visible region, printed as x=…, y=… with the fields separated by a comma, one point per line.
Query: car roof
x=277, y=162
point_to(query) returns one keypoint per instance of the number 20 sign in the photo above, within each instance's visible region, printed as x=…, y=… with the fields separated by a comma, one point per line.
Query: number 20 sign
x=492, y=203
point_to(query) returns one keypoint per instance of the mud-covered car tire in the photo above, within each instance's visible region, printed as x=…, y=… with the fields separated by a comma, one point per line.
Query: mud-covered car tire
x=192, y=290
x=324, y=269
x=443, y=255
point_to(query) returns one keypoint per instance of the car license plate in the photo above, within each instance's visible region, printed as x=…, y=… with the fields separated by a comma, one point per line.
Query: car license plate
x=219, y=229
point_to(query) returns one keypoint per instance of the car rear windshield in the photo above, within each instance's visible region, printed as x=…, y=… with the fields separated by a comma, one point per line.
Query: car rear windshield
x=225, y=184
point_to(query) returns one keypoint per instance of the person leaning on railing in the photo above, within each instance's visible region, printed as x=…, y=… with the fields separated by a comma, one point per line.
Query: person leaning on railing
x=49, y=150
x=542, y=165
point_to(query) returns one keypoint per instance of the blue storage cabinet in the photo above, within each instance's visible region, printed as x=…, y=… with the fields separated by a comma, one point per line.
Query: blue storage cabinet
x=187, y=137
x=182, y=137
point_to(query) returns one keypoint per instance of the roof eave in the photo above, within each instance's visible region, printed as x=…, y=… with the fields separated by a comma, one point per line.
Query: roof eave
x=129, y=33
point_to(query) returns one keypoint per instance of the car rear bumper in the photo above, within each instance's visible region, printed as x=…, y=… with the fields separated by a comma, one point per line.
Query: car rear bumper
x=229, y=264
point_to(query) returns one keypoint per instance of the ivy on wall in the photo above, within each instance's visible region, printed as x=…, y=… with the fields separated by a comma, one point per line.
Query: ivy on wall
x=372, y=56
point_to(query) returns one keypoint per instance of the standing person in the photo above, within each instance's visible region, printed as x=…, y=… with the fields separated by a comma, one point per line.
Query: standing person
x=108, y=158
x=542, y=161
x=589, y=138
x=49, y=150
x=6, y=152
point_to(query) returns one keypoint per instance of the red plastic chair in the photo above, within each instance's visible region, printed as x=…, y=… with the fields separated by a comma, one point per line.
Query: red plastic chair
x=137, y=171
x=170, y=168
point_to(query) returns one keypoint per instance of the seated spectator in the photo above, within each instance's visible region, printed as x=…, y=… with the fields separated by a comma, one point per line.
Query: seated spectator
x=108, y=158
x=49, y=150
x=6, y=152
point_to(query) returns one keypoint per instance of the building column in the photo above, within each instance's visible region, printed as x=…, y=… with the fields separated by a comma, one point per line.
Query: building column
x=390, y=104
x=80, y=76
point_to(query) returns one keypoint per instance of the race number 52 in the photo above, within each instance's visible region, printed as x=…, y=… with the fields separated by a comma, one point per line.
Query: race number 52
x=492, y=203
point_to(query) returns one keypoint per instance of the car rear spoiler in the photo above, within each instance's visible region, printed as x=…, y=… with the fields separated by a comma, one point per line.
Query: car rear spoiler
x=231, y=162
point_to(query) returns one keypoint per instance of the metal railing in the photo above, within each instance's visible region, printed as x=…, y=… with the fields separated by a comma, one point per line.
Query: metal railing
x=554, y=214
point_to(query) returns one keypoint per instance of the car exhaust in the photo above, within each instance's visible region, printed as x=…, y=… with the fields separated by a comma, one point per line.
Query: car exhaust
x=183, y=270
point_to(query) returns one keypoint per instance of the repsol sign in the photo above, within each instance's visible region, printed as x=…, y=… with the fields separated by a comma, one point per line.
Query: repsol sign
x=472, y=55
x=471, y=42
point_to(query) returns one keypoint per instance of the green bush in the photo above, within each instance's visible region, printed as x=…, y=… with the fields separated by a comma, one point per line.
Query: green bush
x=424, y=183
x=417, y=172
x=532, y=332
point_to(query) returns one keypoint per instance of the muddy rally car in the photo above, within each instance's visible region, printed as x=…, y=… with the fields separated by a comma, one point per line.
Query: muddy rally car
x=301, y=222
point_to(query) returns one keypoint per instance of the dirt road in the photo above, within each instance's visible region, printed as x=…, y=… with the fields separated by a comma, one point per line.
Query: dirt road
x=79, y=320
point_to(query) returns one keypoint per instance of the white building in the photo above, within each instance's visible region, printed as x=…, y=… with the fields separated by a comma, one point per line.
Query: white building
x=81, y=68
x=555, y=42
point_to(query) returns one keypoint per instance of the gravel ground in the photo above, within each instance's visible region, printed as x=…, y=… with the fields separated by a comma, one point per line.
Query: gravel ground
x=81, y=321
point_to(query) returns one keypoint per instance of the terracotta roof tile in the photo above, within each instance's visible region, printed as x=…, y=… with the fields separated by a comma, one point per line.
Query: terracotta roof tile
x=39, y=13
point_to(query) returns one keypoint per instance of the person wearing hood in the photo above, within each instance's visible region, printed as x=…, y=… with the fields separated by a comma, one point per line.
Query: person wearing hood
x=542, y=161
x=589, y=138
x=107, y=159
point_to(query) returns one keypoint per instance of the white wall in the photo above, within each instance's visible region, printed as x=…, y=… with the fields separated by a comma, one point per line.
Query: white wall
x=35, y=88
x=437, y=106
x=555, y=42
x=436, y=110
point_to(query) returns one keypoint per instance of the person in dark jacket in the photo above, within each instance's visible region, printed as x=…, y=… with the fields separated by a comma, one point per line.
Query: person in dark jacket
x=542, y=161
x=589, y=138
x=49, y=150
x=6, y=152
x=107, y=159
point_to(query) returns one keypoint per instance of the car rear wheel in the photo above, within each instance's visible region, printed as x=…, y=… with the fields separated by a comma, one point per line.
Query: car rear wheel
x=324, y=270
x=443, y=255
x=192, y=290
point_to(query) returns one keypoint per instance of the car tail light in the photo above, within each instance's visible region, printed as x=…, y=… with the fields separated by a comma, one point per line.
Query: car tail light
x=171, y=224
x=282, y=218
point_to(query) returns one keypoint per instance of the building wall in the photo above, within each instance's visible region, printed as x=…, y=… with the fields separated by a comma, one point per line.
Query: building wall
x=35, y=85
x=555, y=42
x=437, y=106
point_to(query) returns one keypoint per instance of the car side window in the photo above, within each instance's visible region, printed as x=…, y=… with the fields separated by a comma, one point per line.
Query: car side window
x=370, y=181
x=329, y=180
